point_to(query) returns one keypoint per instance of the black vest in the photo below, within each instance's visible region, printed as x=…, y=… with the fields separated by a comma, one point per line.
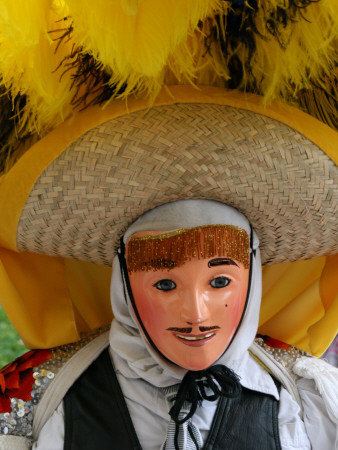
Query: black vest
x=96, y=416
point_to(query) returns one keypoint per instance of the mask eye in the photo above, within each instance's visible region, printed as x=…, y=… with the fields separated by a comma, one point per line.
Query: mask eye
x=165, y=285
x=219, y=282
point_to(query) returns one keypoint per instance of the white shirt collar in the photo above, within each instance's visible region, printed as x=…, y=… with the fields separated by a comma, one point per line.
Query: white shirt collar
x=255, y=377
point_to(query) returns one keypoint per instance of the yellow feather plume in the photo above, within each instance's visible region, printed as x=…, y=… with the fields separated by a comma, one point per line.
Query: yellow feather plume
x=134, y=39
x=28, y=62
x=310, y=50
x=141, y=45
x=304, y=51
x=138, y=39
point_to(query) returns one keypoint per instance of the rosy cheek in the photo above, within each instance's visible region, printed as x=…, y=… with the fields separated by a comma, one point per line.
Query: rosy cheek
x=152, y=310
x=234, y=308
x=144, y=307
x=233, y=319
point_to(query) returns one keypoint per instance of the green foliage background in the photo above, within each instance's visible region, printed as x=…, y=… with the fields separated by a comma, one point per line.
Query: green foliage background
x=11, y=345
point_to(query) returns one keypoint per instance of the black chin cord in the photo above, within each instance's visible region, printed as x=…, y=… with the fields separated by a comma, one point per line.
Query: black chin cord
x=221, y=380
x=193, y=389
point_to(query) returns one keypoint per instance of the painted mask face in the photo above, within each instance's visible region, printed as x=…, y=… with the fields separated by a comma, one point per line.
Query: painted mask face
x=191, y=312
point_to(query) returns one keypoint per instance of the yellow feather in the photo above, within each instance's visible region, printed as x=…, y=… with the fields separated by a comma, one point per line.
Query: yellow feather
x=145, y=44
x=28, y=62
x=306, y=51
x=311, y=50
x=24, y=21
x=140, y=41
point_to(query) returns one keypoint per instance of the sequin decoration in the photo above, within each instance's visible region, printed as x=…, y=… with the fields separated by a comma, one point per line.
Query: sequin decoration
x=19, y=422
x=284, y=354
x=174, y=248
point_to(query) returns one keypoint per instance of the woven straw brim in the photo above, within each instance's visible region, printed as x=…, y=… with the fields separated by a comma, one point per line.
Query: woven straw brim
x=285, y=185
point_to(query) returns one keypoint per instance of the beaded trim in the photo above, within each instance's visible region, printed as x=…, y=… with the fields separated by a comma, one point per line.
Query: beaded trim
x=174, y=248
x=284, y=354
x=19, y=422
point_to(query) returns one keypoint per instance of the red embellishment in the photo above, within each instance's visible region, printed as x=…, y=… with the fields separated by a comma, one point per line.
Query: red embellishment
x=274, y=343
x=16, y=379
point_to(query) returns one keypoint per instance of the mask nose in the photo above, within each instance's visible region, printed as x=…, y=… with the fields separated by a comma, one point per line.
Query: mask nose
x=194, y=307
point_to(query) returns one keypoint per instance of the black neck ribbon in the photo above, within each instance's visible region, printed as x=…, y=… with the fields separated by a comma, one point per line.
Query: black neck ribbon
x=221, y=380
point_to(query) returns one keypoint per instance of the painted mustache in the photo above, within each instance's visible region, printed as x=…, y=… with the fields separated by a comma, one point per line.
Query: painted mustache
x=189, y=330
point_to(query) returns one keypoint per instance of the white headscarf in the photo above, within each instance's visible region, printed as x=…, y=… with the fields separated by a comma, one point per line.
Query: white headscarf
x=134, y=356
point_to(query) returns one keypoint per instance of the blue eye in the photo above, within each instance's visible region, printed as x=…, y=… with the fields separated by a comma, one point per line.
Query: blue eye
x=219, y=282
x=165, y=285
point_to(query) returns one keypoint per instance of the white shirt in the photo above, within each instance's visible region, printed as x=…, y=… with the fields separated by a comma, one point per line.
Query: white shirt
x=149, y=412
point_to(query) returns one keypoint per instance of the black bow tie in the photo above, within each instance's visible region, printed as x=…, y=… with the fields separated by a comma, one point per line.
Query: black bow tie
x=221, y=380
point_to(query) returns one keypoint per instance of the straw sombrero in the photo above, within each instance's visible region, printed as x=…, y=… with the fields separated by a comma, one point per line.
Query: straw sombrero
x=210, y=144
x=69, y=198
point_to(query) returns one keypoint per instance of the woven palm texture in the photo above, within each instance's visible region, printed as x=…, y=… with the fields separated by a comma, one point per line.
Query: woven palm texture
x=128, y=165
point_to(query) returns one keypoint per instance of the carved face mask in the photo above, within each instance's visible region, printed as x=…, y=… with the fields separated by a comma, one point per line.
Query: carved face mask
x=189, y=290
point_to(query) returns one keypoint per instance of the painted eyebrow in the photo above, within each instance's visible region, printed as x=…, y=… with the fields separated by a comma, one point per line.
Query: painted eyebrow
x=221, y=262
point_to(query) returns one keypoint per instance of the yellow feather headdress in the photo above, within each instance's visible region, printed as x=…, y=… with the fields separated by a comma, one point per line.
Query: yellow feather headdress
x=57, y=56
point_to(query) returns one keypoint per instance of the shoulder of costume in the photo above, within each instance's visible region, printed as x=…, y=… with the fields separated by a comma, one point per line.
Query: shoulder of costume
x=278, y=358
x=24, y=382
x=279, y=351
x=289, y=364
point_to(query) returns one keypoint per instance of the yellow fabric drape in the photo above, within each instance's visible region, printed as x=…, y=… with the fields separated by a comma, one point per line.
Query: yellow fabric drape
x=50, y=300
x=36, y=299
x=294, y=307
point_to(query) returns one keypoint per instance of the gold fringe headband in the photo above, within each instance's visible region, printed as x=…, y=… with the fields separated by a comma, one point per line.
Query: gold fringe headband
x=174, y=248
